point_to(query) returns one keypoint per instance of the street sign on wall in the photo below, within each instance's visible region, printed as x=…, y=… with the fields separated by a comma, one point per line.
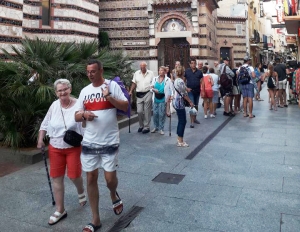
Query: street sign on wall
x=261, y=9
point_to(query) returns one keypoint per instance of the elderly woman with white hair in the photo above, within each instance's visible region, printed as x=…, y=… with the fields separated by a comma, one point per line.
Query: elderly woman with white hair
x=62, y=156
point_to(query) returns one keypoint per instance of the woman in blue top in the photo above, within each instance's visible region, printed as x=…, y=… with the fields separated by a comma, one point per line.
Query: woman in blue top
x=162, y=92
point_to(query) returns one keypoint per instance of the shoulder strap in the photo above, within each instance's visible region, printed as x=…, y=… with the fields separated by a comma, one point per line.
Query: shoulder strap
x=177, y=91
x=224, y=69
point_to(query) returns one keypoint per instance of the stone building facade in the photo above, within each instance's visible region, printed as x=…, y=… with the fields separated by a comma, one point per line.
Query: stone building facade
x=232, y=38
x=161, y=31
x=62, y=20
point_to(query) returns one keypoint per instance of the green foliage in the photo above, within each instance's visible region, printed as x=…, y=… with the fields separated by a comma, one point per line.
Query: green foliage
x=103, y=39
x=23, y=105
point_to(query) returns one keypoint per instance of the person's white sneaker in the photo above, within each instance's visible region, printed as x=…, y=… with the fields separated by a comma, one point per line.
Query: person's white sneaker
x=205, y=116
x=154, y=130
x=212, y=116
x=162, y=132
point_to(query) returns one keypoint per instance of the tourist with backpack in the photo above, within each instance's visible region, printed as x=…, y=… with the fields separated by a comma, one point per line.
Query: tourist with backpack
x=162, y=91
x=245, y=75
x=226, y=84
x=272, y=85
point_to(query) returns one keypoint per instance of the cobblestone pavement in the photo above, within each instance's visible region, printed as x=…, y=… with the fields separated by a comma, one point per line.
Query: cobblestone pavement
x=243, y=178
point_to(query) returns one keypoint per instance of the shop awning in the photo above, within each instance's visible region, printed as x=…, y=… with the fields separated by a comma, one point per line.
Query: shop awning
x=292, y=23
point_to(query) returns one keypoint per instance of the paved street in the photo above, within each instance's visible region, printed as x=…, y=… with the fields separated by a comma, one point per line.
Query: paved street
x=246, y=178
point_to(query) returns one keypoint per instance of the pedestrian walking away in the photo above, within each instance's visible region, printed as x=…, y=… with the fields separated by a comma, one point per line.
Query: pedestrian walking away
x=181, y=94
x=161, y=88
x=247, y=87
x=207, y=93
x=192, y=78
x=280, y=69
x=97, y=106
x=271, y=84
x=226, y=83
x=215, y=88
x=62, y=156
x=142, y=80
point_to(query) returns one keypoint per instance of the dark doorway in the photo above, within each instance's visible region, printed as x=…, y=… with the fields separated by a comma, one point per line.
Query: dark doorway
x=171, y=50
x=224, y=52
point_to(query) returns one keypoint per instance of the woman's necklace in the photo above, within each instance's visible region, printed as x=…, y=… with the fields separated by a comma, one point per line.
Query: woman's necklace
x=67, y=105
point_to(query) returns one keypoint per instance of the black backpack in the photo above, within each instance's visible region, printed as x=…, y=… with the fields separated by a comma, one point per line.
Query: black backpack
x=225, y=81
x=271, y=83
x=244, y=76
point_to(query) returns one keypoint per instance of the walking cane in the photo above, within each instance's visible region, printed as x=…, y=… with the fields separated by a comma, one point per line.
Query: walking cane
x=170, y=122
x=47, y=171
x=129, y=116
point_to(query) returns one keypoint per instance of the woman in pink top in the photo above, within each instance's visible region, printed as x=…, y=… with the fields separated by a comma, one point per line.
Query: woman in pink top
x=207, y=92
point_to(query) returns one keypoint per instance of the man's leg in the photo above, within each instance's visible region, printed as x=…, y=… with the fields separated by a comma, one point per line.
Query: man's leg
x=250, y=101
x=245, y=105
x=147, y=110
x=93, y=193
x=140, y=111
x=112, y=184
x=196, y=103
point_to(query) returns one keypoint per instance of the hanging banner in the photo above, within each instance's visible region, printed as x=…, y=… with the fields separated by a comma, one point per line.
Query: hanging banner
x=280, y=10
x=261, y=9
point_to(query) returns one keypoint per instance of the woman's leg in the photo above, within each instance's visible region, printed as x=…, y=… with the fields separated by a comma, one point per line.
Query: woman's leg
x=156, y=115
x=59, y=190
x=181, y=124
x=205, y=106
x=161, y=115
x=211, y=110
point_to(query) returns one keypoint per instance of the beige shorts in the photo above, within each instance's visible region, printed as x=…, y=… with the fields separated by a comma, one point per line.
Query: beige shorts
x=235, y=90
x=282, y=84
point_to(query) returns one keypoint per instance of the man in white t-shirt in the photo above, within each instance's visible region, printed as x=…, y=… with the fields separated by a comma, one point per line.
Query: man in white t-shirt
x=97, y=105
x=248, y=89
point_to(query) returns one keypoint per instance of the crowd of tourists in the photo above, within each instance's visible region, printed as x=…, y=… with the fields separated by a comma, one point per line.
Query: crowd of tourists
x=93, y=115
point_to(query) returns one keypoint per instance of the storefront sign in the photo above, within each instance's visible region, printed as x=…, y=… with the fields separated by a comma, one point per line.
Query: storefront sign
x=261, y=9
x=270, y=45
x=290, y=39
x=280, y=11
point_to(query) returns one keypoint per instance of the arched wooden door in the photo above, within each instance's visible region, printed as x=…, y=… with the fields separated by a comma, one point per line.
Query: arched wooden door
x=172, y=50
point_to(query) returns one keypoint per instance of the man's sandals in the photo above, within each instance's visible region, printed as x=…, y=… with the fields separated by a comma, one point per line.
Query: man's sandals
x=56, y=217
x=118, y=204
x=91, y=228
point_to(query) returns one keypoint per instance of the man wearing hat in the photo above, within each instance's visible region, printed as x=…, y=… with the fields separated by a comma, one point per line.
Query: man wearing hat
x=227, y=93
x=282, y=81
x=248, y=89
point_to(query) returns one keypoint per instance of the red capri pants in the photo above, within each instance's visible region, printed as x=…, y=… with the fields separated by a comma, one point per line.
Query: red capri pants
x=60, y=159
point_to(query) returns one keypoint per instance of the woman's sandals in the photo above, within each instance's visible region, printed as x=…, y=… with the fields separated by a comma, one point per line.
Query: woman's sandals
x=56, y=217
x=82, y=199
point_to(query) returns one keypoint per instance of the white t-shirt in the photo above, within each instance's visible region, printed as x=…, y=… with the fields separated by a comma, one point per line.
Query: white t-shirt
x=103, y=130
x=215, y=78
x=53, y=123
x=250, y=70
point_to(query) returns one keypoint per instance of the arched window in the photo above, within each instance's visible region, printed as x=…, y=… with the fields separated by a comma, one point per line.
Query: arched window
x=46, y=12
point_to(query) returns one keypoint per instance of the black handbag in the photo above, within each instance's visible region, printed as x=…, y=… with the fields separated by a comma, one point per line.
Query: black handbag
x=159, y=96
x=71, y=137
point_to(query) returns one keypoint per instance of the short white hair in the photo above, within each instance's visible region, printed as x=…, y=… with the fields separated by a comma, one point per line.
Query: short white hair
x=63, y=82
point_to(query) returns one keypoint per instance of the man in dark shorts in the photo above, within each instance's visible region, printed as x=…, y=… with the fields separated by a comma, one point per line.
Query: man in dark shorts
x=281, y=71
x=192, y=77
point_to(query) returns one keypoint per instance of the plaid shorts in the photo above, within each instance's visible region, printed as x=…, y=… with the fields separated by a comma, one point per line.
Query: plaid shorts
x=248, y=90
